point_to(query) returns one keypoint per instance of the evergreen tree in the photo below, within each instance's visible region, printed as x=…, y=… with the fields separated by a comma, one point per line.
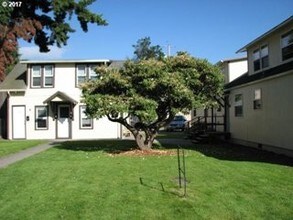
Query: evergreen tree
x=44, y=22
x=143, y=50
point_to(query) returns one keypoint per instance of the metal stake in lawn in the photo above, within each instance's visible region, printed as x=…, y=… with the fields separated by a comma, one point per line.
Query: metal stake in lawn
x=181, y=168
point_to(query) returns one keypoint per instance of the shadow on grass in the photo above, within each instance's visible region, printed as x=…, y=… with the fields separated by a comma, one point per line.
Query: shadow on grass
x=233, y=152
x=222, y=151
x=160, y=186
x=112, y=146
x=108, y=146
x=171, y=135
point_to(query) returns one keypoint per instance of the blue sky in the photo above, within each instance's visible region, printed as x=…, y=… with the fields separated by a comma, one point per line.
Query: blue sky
x=209, y=29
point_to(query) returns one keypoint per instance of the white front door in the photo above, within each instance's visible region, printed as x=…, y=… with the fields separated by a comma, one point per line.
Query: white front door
x=18, y=122
x=63, y=123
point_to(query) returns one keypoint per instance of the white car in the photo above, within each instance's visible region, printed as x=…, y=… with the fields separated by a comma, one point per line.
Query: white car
x=178, y=123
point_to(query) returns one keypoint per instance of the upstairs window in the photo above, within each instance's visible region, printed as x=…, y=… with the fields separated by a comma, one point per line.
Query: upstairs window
x=42, y=76
x=48, y=76
x=238, y=105
x=81, y=74
x=92, y=74
x=264, y=53
x=287, y=45
x=84, y=73
x=36, y=76
x=261, y=58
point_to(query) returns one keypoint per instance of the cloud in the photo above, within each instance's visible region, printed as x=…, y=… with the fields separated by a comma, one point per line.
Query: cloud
x=33, y=53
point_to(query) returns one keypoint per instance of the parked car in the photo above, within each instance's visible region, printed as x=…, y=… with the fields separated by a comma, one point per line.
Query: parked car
x=178, y=123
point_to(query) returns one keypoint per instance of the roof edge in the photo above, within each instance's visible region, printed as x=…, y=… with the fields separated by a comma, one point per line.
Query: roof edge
x=232, y=60
x=65, y=61
x=287, y=21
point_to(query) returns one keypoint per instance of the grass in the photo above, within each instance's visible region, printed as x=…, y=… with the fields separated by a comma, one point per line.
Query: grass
x=91, y=180
x=9, y=147
x=170, y=135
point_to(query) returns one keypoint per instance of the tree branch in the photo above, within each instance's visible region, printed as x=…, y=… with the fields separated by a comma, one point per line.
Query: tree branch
x=124, y=122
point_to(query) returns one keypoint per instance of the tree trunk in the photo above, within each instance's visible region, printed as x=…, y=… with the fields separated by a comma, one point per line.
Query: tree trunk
x=145, y=142
x=144, y=136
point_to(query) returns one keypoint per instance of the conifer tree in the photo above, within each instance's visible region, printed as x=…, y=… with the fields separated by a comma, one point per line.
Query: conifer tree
x=43, y=22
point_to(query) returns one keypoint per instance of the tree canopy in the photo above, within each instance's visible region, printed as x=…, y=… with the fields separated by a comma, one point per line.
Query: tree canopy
x=143, y=50
x=43, y=22
x=153, y=91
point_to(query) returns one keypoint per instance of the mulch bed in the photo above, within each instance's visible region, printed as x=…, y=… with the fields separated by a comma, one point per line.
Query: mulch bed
x=142, y=153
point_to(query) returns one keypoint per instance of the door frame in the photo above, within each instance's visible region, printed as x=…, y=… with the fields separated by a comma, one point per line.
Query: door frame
x=69, y=121
x=12, y=120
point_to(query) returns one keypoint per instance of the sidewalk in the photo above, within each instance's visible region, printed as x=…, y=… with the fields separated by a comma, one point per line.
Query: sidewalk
x=10, y=159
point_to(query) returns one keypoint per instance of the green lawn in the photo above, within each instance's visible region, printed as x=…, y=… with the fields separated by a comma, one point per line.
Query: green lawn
x=9, y=147
x=170, y=135
x=91, y=180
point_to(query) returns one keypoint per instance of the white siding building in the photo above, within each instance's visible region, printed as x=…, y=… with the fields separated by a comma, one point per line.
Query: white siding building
x=44, y=101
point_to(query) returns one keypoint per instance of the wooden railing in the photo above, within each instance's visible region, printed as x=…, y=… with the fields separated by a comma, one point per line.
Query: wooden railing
x=206, y=123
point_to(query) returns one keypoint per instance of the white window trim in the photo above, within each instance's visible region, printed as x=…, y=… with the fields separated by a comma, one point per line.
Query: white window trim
x=33, y=76
x=87, y=74
x=91, y=70
x=84, y=73
x=46, y=117
x=42, y=76
x=80, y=119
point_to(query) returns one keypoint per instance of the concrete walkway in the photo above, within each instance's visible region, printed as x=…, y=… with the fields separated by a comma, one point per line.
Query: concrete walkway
x=12, y=158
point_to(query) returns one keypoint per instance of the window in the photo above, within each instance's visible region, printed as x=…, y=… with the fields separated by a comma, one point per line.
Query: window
x=264, y=53
x=287, y=45
x=261, y=58
x=48, y=76
x=238, y=105
x=256, y=60
x=257, y=99
x=84, y=73
x=92, y=74
x=42, y=76
x=81, y=74
x=64, y=112
x=85, y=121
x=36, y=76
x=41, y=120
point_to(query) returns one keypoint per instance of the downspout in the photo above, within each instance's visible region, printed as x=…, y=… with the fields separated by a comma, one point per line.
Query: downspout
x=7, y=115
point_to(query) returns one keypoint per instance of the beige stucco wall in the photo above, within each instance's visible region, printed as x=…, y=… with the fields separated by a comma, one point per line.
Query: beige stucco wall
x=274, y=44
x=64, y=82
x=271, y=125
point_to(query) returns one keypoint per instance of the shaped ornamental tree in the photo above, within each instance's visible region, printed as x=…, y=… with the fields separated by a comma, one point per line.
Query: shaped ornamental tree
x=153, y=91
